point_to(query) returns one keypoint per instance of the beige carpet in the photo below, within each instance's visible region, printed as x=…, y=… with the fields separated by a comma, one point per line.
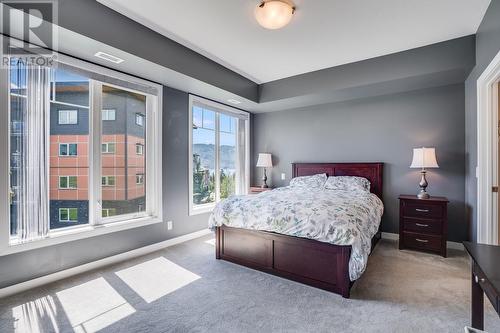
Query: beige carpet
x=184, y=289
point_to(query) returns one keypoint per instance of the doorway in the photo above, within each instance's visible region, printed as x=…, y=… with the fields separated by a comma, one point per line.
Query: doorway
x=488, y=154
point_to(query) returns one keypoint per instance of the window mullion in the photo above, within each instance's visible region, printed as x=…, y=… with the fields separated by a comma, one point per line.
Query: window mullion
x=95, y=191
x=217, y=158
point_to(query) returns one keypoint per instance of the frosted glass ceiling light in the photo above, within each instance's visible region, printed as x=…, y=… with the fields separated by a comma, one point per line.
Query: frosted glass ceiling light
x=274, y=14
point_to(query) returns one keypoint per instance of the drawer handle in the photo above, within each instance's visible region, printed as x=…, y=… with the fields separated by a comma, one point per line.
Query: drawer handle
x=421, y=240
x=421, y=225
x=482, y=280
x=422, y=210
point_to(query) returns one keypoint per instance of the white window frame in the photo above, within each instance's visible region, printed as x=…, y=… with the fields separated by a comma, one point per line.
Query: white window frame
x=218, y=108
x=67, y=182
x=97, y=225
x=139, y=179
x=108, y=112
x=107, y=145
x=67, y=117
x=68, y=220
x=67, y=149
x=141, y=121
x=106, y=181
x=139, y=151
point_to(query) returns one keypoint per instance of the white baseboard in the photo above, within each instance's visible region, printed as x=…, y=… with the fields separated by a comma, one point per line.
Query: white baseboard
x=450, y=245
x=23, y=286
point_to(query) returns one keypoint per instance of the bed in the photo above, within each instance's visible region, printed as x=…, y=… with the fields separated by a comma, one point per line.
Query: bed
x=304, y=254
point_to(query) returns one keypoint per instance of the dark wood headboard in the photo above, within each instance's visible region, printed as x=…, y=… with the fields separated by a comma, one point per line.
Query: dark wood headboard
x=371, y=171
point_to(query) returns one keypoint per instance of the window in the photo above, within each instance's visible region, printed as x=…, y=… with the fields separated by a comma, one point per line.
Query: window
x=219, y=150
x=107, y=212
x=139, y=119
x=109, y=148
x=139, y=148
x=68, y=214
x=109, y=114
x=48, y=187
x=68, y=182
x=68, y=117
x=68, y=149
x=108, y=180
x=139, y=179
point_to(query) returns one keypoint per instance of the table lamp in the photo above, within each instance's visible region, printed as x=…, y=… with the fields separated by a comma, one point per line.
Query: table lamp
x=264, y=161
x=424, y=158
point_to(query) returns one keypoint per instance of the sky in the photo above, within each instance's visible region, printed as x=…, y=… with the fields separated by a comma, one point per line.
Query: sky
x=205, y=134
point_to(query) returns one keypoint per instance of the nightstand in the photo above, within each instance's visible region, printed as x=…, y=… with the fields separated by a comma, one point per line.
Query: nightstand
x=423, y=224
x=258, y=189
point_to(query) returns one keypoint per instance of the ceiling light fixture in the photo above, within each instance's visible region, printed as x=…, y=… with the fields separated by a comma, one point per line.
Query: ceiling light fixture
x=274, y=14
x=108, y=57
x=233, y=101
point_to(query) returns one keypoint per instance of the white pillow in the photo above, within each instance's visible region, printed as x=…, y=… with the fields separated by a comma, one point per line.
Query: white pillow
x=347, y=183
x=315, y=181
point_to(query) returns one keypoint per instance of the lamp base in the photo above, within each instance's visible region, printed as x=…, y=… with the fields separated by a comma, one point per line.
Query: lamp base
x=264, y=180
x=423, y=185
x=423, y=195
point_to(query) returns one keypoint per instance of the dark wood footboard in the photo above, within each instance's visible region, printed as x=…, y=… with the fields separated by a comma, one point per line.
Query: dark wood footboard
x=311, y=262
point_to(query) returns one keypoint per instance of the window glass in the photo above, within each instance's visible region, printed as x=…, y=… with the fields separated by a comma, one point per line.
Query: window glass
x=203, y=148
x=139, y=119
x=68, y=149
x=49, y=148
x=227, y=155
x=68, y=215
x=219, y=154
x=124, y=139
x=108, y=114
x=68, y=117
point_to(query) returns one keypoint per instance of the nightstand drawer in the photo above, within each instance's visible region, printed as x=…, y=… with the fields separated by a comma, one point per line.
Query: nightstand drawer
x=421, y=241
x=433, y=227
x=422, y=209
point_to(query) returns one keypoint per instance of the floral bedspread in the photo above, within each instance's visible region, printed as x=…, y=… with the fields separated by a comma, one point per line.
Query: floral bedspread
x=332, y=216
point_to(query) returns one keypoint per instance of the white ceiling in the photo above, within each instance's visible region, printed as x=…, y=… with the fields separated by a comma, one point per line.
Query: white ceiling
x=322, y=34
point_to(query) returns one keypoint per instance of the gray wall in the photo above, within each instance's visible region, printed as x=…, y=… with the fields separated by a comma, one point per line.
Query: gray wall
x=487, y=47
x=31, y=264
x=380, y=129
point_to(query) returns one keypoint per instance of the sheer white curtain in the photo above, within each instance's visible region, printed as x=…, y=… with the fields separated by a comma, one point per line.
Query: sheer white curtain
x=33, y=176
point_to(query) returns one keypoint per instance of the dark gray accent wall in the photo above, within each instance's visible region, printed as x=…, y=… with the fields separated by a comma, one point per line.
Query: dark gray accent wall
x=487, y=47
x=379, y=129
x=27, y=265
x=96, y=21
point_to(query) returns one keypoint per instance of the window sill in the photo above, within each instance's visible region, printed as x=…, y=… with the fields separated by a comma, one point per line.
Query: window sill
x=76, y=233
x=202, y=209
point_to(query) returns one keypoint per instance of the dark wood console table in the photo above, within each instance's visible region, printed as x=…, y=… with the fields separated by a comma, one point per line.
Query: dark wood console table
x=485, y=279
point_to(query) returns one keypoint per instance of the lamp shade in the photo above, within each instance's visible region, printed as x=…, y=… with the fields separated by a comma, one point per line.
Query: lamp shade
x=265, y=160
x=424, y=158
x=274, y=14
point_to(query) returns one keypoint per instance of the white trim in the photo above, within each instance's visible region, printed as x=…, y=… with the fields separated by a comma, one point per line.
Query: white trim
x=30, y=284
x=69, y=234
x=391, y=236
x=449, y=245
x=487, y=168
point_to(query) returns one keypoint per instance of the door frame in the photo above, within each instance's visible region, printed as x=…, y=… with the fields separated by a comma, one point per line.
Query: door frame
x=487, y=153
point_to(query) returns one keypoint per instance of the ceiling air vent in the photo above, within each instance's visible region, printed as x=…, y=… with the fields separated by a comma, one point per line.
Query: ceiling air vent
x=108, y=57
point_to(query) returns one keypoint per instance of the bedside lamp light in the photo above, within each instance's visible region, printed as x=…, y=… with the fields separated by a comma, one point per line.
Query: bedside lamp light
x=424, y=158
x=264, y=161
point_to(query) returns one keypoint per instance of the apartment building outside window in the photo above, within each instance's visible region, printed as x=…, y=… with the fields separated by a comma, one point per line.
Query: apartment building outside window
x=68, y=149
x=68, y=117
x=84, y=173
